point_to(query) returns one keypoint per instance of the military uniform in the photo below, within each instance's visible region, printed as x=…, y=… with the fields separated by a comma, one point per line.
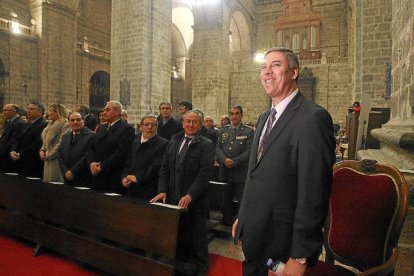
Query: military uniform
x=233, y=143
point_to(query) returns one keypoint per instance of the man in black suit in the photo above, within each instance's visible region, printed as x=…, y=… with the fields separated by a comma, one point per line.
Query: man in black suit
x=207, y=132
x=167, y=125
x=141, y=170
x=12, y=129
x=109, y=150
x=285, y=200
x=90, y=120
x=72, y=152
x=185, y=173
x=25, y=149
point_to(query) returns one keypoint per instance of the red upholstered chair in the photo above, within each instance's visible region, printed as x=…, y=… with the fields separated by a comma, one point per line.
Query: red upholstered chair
x=368, y=206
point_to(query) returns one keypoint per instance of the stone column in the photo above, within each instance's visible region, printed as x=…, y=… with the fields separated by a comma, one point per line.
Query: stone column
x=141, y=55
x=210, y=86
x=56, y=27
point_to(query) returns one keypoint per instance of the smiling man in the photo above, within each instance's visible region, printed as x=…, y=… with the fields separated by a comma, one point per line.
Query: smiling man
x=288, y=184
x=185, y=173
x=72, y=152
x=141, y=170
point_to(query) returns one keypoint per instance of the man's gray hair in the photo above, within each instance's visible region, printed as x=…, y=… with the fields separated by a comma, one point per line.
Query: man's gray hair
x=116, y=105
x=293, y=61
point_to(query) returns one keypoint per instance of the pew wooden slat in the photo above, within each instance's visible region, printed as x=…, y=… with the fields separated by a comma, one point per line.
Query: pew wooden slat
x=136, y=224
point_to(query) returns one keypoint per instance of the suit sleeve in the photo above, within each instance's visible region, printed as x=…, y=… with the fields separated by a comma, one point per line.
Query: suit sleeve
x=163, y=179
x=121, y=153
x=150, y=173
x=62, y=164
x=316, y=157
x=201, y=181
x=82, y=162
x=220, y=157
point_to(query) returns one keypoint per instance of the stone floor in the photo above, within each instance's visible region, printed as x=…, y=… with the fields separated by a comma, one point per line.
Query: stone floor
x=222, y=244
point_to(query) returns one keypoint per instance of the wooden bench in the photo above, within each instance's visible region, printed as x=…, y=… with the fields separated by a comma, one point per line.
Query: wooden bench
x=88, y=226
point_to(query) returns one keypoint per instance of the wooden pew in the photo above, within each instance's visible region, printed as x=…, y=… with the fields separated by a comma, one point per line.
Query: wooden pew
x=44, y=213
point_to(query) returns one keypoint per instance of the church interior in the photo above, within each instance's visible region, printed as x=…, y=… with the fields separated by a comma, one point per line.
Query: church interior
x=352, y=53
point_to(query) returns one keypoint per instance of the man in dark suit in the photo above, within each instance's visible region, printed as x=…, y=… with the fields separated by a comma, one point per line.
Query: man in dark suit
x=12, y=129
x=232, y=153
x=25, y=149
x=185, y=173
x=72, y=152
x=167, y=125
x=142, y=168
x=109, y=150
x=285, y=201
x=207, y=132
x=90, y=120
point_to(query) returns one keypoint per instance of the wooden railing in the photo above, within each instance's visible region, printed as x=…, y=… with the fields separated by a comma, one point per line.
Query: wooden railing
x=89, y=226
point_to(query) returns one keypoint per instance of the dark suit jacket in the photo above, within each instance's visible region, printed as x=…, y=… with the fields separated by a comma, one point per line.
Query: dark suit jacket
x=91, y=122
x=144, y=162
x=28, y=144
x=169, y=129
x=10, y=134
x=286, y=195
x=209, y=133
x=111, y=148
x=192, y=175
x=72, y=156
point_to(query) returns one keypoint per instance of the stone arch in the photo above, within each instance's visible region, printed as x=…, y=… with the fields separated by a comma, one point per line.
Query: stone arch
x=240, y=32
x=99, y=90
x=182, y=42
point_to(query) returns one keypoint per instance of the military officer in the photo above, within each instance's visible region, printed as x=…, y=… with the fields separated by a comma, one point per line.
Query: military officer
x=232, y=153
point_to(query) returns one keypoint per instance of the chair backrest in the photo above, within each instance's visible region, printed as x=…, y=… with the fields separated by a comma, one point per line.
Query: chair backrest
x=368, y=207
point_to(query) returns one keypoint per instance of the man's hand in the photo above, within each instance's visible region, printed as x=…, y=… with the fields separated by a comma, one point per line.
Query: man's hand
x=14, y=155
x=293, y=268
x=69, y=175
x=234, y=229
x=128, y=180
x=228, y=163
x=185, y=201
x=95, y=168
x=160, y=196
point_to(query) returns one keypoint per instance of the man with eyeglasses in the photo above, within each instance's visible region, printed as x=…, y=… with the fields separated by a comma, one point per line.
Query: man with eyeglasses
x=72, y=152
x=13, y=127
x=141, y=170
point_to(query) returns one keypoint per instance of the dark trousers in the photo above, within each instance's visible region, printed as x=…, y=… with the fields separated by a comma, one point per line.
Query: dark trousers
x=232, y=190
x=192, y=245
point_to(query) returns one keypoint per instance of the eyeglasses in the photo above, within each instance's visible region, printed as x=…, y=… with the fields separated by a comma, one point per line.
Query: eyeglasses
x=75, y=120
x=149, y=124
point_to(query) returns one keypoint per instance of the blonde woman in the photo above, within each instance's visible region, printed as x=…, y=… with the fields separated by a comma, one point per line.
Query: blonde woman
x=51, y=137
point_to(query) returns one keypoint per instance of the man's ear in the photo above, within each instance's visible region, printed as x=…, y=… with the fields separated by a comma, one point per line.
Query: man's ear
x=295, y=73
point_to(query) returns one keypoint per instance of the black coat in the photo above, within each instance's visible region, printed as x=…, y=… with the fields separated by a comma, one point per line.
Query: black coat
x=192, y=175
x=11, y=131
x=169, y=129
x=209, y=133
x=72, y=156
x=111, y=148
x=144, y=163
x=91, y=122
x=28, y=144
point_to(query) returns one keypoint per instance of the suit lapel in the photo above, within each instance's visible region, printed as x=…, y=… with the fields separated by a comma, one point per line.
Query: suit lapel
x=256, y=139
x=284, y=119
